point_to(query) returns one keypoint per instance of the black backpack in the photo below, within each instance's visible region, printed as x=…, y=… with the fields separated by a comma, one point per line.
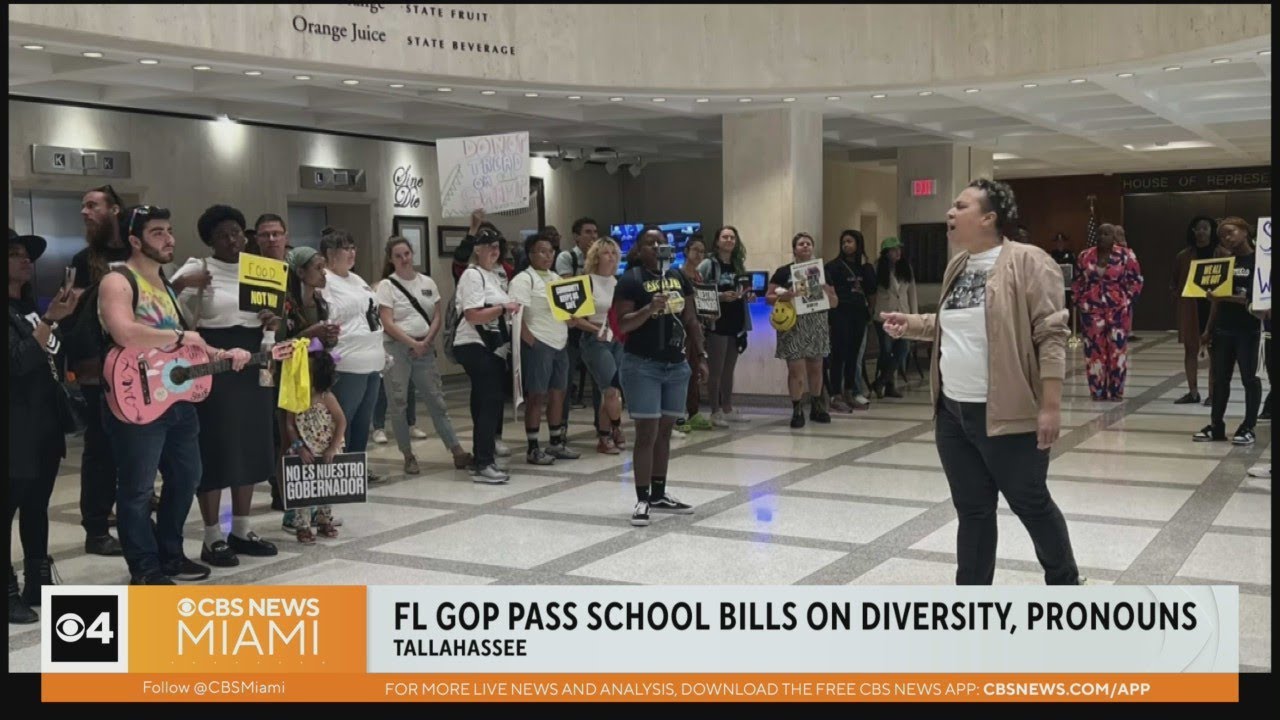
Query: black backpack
x=86, y=339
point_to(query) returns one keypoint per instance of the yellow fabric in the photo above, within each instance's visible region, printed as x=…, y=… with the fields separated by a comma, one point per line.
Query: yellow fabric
x=295, y=379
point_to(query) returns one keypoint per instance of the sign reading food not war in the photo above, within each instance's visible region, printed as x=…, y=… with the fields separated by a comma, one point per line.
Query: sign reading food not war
x=263, y=282
x=487, y=171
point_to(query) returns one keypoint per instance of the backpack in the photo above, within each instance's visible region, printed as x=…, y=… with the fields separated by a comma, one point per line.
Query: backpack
x=87, y=339
x=452, y=317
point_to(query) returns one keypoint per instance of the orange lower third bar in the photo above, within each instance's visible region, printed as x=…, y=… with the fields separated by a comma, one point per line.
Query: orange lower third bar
x=643, y=688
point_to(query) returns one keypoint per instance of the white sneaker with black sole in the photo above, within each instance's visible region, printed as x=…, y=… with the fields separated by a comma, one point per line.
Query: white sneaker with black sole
x=380, y=436
x=563, y=452
x=1243, y=436
x=668, y=504
x=418, y=433
x=640, y=515
x=491, y=475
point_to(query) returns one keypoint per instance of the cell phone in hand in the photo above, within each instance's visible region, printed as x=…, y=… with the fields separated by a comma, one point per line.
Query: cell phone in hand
x=69, y=277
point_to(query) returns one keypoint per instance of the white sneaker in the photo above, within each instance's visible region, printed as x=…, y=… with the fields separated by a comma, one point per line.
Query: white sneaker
x=678, y=434
x=861, y=399
x=500, y=449
x=735, y=416
x=1261, y=470
x=717, y=420
x=491, y=475
x=380, y=437
x=417, y=434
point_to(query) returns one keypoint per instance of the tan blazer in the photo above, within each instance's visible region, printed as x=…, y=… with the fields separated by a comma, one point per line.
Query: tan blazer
x=1026, y=334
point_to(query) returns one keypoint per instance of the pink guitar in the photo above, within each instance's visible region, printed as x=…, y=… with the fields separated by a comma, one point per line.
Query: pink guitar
x=142, y=383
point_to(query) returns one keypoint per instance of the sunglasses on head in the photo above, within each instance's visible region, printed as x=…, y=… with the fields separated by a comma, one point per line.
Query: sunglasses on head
x=143, y=211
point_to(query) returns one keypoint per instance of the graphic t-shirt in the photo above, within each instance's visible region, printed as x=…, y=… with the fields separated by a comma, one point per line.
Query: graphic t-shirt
x=962, y=318
x=661, y=337
x=733, y=315
x=1233, y=318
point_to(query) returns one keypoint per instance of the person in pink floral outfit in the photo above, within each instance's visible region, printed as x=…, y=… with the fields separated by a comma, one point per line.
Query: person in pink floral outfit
x=1108, y=281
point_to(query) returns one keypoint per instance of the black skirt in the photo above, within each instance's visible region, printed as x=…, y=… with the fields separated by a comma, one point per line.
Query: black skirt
x=237, y=440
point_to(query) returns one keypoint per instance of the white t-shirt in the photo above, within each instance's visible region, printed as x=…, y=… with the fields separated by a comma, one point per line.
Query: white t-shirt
x=477, y=288
x=407, y=318
x=962, y=316
x=220, y=305
x=529, y=288
x=602, y=287
x=352, y=305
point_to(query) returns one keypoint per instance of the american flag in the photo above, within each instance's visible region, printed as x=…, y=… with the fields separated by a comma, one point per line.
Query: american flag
x=1091, y=232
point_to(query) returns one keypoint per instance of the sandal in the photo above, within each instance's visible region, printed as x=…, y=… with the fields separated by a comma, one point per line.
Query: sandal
x=323, y=520
x=297, y=524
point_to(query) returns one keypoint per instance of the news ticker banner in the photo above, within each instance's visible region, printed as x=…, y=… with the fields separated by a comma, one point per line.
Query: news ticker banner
x=627, y=643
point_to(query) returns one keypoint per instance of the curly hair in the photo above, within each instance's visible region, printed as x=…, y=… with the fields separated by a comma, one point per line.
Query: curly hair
x=998, y=198
x=215, y=216
x=593, y=253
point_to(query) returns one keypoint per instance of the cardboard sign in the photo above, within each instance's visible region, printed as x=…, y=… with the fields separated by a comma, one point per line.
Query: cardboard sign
x=263, y=283
x=1262, y=268
x=487, y=171
x=517, y=375
x=341, y=482
x=807, y=282
x=571, y=298
x=706, y=300
x=1210, y=277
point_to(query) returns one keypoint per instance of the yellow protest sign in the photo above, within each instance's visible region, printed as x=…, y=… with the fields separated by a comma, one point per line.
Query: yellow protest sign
x=1212, y=277
x=263, y=282
x=571, y=298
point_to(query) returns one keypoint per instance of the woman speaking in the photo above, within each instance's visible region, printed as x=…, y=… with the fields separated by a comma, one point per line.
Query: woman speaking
x=1001, y=316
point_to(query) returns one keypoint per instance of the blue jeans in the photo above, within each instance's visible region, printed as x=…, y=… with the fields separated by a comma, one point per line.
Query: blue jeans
x=357, y=394
x=170, y=445
x=893, y=356
x=654, y=389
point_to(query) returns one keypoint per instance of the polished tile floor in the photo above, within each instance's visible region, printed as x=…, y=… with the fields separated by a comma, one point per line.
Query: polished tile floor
x=861, y=501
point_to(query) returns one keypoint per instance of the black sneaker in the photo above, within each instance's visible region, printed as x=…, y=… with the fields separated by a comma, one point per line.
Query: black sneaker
x=668, y=504
x=1265, y=415
x=219, y=554
x=184, y=569
x=104, y=545
x=1188, y=399
x=377, y=479
x=640, y=515
x=1208, y=434
x=253, y=547
x=154, y=578
x=797, y=419
x=1243, y=436
x=820, y=416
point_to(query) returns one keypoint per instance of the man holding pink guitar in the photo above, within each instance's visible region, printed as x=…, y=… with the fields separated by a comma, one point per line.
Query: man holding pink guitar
x=139, y=312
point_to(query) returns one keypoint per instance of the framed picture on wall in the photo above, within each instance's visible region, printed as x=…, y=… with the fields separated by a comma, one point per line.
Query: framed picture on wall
x=449, y=237
x=414, y=229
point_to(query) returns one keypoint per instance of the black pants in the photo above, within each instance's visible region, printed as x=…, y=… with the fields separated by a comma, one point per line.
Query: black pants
x=97, y=467
x=847, y=332
x=1271, y=374
x=488, y=398
x=1230, y=350
x=29, y=501
x=978, y=468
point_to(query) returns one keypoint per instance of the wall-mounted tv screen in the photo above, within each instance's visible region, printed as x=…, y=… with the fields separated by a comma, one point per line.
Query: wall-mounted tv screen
x=678, y=234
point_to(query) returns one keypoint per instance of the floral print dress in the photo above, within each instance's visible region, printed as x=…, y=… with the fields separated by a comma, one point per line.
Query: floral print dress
x=1104, y=294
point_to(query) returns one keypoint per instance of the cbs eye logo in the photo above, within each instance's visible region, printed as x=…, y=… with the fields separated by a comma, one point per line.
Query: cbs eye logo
x=84, y=628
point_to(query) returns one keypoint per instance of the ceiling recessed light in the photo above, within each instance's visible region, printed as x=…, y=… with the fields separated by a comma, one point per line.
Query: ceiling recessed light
x=397, y=86
x=32, y=47
x=350, y=82
x=1030, y=85
x=879, y=96
x=1077, y=81
x=575, y=97
x=702, y=100
x=531, y=94
x=201, y=68
x=253, y=73
x=1128, y=147
x=925, y=93
x=1124, y=75
x=148, y=61
x=744, y=99
x=1220, y=61
x=448, y=89
x=972, y=90
x=659, y=99
x=92, y=54
x=616, y=99
x=788, y=99
x=833, y=97
x=1264, y=52
x=482, y=92
x=1173, y=68
x=301, y=77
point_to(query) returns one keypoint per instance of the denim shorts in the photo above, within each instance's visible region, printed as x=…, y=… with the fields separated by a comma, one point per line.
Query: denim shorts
x=603, y=359
x=544, y=367
x=654, y=389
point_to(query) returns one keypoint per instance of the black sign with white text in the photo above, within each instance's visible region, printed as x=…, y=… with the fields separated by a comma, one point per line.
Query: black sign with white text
x=341, y=482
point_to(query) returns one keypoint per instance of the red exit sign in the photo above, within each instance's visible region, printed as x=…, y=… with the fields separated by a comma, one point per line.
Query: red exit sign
x=924, y=188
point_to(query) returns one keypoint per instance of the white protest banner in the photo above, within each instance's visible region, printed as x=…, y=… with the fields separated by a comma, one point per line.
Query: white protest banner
x=807, y=282
x=1262, y=270
x=487, y=171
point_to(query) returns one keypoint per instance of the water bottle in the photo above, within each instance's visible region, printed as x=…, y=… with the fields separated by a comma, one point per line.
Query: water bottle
x=266, y=376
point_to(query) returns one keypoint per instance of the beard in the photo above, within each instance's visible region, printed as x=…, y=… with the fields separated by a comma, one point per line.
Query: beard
x=99, y=235
x=160, y=256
